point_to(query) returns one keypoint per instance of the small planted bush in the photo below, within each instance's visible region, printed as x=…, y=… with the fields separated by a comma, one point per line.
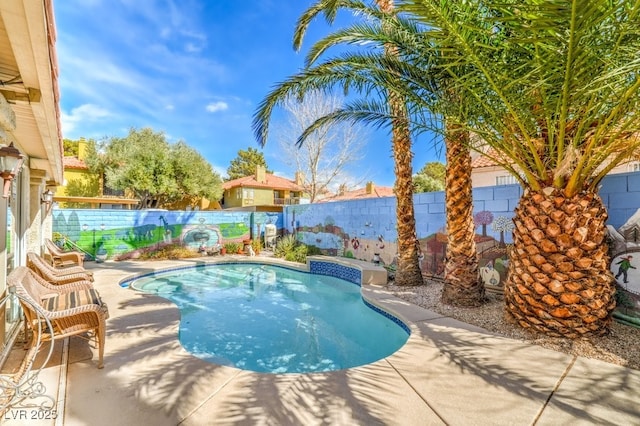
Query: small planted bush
x=284, y=245
x=290, y=249
x=257, y=246
x=173, y=251
x=233, y=247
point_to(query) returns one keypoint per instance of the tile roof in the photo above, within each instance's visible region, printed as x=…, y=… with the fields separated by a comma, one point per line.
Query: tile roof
x=74, y=163
x=483, y=161
x=271, y=181
x=358, y=194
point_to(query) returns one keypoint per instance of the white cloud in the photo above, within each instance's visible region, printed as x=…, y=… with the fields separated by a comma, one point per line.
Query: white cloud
x=82, y=114
x=217, y=106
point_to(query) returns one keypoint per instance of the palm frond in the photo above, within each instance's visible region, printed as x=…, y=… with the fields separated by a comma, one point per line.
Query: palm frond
x=553, y=84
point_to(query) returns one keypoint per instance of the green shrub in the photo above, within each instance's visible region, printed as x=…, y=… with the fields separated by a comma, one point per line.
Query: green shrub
x=290, y=249
x=256, y=245
x=173, y=251
x=299, y=254
x=232, y=247
x=313, y=250
x=284, y=245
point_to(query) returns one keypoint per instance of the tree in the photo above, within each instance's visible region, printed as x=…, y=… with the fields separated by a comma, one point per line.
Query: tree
x=194, y=175
x=155, y=171
x=462, y=283
x=394, y=71
x=430, y=178
x=553, y=88
x=70, y=147
x=408, y=272
x=327, y=152
x=245, y=164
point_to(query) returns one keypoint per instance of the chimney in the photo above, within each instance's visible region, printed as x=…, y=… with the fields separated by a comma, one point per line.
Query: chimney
x=299, y=178
x=371, y=187
x=261, y=174
x=82, y=149
x=342, y=189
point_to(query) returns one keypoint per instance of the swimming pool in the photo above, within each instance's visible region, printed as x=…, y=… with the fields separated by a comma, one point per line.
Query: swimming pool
x=273, y=319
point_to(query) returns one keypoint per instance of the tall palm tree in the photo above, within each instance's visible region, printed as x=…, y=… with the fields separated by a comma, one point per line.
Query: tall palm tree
x=408, y=271
x=408, y=245
x=553, y=88
x=462, y=285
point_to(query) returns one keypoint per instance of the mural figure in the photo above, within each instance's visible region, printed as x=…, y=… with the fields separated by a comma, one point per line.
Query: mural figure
x=483, y=218
x=502, y=224
x=355, y=243
x=489, y=275
x=625, y=264
x=166, y=236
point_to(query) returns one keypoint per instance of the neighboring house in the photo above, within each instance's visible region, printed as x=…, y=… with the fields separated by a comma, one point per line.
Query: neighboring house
x=485, y=171
x=369, y=191
x=82, y=188
x=262, y=192
x=30, y=134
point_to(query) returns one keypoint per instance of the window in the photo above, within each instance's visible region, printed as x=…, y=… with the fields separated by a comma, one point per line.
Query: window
x=634, y=166
x=247, y=194
x=506, y=180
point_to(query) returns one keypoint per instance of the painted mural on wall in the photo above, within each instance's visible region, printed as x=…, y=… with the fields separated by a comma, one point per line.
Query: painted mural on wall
x=363, y=241
x=359, y=229
x=624, y=246
x=126, y=234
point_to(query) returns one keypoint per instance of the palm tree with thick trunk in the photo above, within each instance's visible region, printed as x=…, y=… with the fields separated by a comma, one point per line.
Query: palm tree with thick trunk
x=553, y=88
x=409, y=272
x=408, y=268
x=462, y=284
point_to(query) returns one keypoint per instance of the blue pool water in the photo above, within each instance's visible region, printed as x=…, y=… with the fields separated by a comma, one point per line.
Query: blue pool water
x=271, y=319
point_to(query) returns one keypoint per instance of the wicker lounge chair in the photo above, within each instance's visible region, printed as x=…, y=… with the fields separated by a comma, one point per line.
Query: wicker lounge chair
x=73, y=309
x=61, y=257
x=55, y=275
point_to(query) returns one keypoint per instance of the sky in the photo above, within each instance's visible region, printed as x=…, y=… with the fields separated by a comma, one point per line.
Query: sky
x=197, y=71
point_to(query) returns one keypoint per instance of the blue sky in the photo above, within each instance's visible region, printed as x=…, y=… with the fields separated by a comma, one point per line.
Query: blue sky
x=194, y=69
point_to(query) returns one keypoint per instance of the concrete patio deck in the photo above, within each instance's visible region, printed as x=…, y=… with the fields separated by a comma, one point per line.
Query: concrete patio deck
x=447, y=373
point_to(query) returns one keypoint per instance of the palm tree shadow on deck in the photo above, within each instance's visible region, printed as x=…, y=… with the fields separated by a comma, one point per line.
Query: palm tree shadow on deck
x=497, y=368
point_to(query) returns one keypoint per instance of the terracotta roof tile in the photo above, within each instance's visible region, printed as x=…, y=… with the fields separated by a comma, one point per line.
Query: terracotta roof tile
x=271, y=181
x=358, y=194
x=483, y=161
x=74, y=163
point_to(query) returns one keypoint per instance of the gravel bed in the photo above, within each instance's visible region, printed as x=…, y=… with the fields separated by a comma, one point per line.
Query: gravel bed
x=619, y=347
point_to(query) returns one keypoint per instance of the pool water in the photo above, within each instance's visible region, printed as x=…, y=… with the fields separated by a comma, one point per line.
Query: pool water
x=272, y=319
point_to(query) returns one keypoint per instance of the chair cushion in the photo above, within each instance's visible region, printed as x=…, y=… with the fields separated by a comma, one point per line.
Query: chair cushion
x=62, y=302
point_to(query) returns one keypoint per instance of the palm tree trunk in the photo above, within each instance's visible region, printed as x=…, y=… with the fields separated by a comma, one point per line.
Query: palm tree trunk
x=408, y=271
x=462, y=283
x=558, y=279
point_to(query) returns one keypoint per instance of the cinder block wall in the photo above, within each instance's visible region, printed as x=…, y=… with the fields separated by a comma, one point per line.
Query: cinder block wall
x=362, y=227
